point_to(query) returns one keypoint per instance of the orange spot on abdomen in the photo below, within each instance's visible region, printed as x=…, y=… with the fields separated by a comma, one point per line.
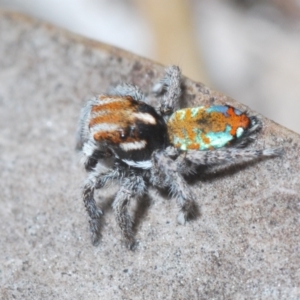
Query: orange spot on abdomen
x=237, y=121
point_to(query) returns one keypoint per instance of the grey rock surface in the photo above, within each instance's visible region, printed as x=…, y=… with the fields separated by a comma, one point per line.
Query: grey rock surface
x=244, y=245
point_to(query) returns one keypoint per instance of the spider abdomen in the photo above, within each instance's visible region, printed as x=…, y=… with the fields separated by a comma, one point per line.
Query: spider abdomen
x=207, y=127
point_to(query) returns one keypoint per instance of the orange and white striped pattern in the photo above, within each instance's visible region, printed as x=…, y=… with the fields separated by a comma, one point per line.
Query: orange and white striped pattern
x=113, y=119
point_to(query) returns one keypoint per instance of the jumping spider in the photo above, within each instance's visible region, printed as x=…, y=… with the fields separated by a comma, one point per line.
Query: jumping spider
x=127, y=141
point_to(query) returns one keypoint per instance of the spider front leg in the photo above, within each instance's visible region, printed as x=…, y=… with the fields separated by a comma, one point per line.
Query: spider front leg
x=133, y=186
x=165, y=173
x=96, y=180
x=93, y=211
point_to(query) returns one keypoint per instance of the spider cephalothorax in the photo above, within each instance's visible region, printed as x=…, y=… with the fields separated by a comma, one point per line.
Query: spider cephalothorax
x=126, y=141
x=121, y=126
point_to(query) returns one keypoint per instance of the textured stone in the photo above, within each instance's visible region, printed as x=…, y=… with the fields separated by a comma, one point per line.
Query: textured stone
x=244, y=244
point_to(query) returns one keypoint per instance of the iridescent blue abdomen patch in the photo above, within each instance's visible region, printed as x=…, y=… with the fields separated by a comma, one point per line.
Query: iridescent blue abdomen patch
x=206, y=127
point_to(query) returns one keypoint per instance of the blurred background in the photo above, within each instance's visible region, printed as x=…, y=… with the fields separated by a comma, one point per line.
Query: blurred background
x=247, y=49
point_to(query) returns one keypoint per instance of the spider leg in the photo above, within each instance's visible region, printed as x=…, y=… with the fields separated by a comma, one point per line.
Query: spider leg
x=96, y=180
x=165, y=173
x=93, y=211
x=170, y=87
x=230, y=156
x=132, y=187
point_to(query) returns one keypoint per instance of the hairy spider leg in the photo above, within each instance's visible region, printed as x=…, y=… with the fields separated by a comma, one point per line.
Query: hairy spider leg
x=164, y=173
